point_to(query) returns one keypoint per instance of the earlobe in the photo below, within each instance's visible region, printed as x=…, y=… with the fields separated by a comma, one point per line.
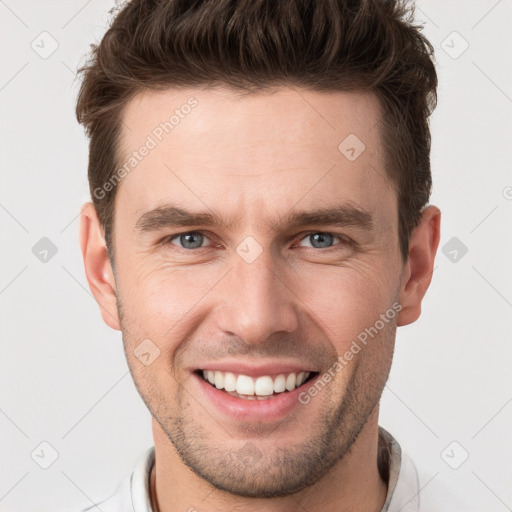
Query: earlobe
x=418, y=269
x=98, y=269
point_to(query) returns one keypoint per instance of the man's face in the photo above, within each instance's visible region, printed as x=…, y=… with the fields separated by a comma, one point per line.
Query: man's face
x=258, y=294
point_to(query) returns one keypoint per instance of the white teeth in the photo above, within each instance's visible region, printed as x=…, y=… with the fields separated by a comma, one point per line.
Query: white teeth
x=245, y=385
x=280, y=384
x=290, y=381
x=262, y=387
x=229, y=381
x=219, y=380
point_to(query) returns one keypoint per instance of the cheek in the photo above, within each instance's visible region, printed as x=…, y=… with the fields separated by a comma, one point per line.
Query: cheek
x=162, y=301
x=158, y=301
x=346, y=301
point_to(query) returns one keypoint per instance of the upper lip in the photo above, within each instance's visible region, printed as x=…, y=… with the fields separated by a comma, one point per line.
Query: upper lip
x=255, y=370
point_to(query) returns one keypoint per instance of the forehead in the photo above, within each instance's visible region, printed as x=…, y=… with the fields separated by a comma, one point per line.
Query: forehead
x=274, y=148
x=275, y=116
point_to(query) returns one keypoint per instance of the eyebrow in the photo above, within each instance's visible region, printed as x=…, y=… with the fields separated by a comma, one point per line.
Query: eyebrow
x=172, y=216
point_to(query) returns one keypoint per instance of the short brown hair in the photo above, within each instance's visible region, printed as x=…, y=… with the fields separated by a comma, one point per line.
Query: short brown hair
x=251, y=45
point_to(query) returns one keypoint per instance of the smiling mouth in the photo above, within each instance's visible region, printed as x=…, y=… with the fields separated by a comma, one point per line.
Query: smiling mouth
x=263, y=387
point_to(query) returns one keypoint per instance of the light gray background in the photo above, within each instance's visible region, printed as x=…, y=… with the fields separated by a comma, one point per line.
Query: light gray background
x=64, y=379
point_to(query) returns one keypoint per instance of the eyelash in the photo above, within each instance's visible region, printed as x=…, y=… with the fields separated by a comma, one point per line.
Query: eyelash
x=344, y=240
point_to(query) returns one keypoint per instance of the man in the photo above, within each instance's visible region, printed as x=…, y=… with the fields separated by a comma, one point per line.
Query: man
x=259, y=227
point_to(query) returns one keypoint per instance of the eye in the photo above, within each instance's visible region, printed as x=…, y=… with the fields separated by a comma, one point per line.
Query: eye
x=189, y=240
x=324, y=240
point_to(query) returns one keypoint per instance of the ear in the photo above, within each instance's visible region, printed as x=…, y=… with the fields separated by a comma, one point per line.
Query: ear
x=418, y=269
x=98, y=269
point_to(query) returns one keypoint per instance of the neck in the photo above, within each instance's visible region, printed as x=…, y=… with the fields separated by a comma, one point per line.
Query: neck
x=353, y=484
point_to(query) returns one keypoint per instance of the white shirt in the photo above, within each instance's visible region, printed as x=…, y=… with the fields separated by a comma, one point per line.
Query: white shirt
x=403, y=495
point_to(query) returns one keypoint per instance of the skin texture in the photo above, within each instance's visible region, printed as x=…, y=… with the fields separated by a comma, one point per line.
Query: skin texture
x=252, y=159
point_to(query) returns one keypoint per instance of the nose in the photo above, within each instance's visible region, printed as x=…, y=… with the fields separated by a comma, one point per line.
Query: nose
x=256, y=300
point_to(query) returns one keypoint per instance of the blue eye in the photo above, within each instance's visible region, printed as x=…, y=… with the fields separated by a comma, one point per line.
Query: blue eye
x=322, y=240
x=190, y=240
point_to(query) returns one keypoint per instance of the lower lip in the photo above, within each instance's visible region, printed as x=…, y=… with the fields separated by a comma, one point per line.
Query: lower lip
x=267, y=410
